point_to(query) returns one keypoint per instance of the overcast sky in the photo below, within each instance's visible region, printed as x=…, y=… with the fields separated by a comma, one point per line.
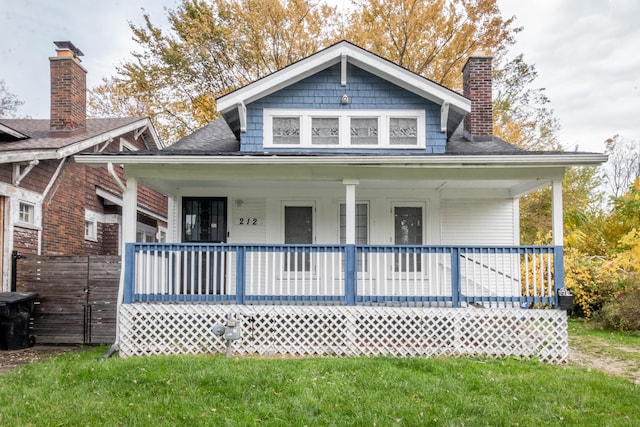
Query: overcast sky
x=586, y=52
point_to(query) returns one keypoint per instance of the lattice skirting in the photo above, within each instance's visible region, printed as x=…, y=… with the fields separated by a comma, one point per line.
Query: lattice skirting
x=147, y=329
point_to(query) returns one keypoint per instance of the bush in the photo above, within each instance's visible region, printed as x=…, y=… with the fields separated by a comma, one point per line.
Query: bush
x=592, y=282
x=623, y=312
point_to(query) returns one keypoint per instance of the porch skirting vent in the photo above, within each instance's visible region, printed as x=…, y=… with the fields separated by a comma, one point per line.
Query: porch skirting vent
x=147, y=329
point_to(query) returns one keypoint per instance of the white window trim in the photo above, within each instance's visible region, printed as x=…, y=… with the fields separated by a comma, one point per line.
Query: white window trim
x=147, y=231
x=37, y=215
x=343, y=116
x=91, y=217
x=32, y=212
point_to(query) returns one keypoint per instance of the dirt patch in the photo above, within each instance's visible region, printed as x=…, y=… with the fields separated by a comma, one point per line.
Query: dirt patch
x=11, y=359
x=627, y=366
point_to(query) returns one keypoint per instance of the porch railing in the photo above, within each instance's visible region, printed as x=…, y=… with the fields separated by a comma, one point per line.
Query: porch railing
x=447, y=276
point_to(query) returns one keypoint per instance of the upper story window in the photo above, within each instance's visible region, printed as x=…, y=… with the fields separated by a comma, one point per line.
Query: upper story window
x=344, y=128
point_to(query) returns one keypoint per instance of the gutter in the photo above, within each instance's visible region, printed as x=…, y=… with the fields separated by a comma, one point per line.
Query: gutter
x=444, y=161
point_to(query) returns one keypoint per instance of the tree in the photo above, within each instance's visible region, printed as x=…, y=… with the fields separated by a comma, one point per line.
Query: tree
x=432, y=38
x=9, y=103
x=522, y=113
x=215, y=46
x=623, y=167
x=581, y=206
x=211, y=48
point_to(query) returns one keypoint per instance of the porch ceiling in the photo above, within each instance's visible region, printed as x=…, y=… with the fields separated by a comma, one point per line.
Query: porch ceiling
x=509, y=181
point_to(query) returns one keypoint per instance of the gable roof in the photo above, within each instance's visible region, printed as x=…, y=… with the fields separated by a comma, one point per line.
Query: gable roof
x=31, y=138
x=230, y=104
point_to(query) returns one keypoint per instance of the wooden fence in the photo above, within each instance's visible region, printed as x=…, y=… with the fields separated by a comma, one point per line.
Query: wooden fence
x=76, y=295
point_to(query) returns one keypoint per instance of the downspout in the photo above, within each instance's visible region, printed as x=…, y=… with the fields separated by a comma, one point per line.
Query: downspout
x=116, y=344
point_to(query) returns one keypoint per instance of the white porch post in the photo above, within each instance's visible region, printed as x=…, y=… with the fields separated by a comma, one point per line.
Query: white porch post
x=129, y=212
x=556, y=217
x=350, y=210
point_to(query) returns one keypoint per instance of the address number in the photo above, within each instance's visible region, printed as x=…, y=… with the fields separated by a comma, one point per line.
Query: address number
x=248, y=221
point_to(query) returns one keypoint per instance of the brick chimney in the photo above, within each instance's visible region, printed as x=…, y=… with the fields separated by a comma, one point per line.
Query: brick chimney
x=68, y=91
x=477, y=82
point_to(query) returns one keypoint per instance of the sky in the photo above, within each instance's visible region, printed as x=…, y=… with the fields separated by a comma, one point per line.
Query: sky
x=586, y=53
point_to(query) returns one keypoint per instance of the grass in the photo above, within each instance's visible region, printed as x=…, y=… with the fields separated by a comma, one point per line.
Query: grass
x=74, y=389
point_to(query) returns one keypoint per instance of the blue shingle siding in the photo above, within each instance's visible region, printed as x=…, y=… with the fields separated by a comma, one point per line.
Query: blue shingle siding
x=323, y=91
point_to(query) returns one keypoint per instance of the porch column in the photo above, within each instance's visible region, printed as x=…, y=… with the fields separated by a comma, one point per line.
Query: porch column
x=350, y=210
x=350, y=259
x=557, y=232
x=129, y=212
x=556, y=208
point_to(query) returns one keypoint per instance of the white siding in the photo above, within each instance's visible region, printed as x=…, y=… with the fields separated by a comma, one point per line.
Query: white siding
x=479, y=222
x=248, y=220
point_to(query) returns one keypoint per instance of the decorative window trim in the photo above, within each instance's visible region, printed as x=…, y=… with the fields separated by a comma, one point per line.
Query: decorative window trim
x=344, y=116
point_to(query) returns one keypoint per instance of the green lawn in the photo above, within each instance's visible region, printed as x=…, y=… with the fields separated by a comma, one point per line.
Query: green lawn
x=74, y=389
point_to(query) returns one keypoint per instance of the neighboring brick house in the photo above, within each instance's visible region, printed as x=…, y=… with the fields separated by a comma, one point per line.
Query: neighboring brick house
x=51, y=205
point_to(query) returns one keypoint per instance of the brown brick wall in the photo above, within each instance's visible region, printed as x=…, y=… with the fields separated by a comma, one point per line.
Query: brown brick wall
x=477, y=86
x=68, y=94
x=25, y=240
x=63, y=215
x=63, y=210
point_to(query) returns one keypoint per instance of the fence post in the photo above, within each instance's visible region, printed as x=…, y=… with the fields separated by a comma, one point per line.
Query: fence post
x=240, y=274
x=130, y=272
x=350, y=261
x=455, y=277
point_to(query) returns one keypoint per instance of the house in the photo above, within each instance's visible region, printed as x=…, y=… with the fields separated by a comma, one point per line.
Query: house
x=344, y=205
x=51, y=205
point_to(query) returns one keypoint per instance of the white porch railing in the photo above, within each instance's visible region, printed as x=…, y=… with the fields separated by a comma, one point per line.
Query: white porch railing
x=520, y=276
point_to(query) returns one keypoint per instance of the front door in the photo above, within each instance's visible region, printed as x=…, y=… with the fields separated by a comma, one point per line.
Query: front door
x=298, y=230
x=407, y=231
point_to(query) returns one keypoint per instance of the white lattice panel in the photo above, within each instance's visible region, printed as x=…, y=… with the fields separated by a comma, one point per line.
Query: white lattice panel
x=340, y=331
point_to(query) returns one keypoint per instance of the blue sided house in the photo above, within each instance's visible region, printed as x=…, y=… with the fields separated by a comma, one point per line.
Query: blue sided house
x=344, y=205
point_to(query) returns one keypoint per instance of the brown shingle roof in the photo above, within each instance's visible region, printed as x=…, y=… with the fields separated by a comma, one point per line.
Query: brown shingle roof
x=40, y=138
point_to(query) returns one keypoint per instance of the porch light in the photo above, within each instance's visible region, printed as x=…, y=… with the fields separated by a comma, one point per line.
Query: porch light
x=345, y=99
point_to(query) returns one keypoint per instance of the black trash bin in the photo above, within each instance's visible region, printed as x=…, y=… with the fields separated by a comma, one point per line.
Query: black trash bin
x=15, y=312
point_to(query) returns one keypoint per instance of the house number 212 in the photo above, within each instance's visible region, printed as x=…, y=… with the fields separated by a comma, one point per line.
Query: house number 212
x=248, y=221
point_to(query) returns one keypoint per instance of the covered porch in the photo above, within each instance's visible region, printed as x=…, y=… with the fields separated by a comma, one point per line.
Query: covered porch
x=438, y=248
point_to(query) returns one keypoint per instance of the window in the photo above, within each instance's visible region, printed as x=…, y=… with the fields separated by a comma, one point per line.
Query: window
x=403, y=131
x=91, y=225
x=364, y=131
x=362, y=223
x=391, y=129
x=90, y=229
x=204, y=219
x=286, y=130
x=27, y=213
x=325, y=131
x=362, y=229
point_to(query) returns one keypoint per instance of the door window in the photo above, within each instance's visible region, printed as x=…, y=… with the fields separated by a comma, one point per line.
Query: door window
x=298, y=230
x=408, y=231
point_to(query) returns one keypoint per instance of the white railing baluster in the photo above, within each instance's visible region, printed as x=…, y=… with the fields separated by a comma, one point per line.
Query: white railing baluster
x=287, y=272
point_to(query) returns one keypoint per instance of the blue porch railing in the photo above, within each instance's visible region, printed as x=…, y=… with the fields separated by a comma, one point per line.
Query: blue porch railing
x=451, y=276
